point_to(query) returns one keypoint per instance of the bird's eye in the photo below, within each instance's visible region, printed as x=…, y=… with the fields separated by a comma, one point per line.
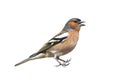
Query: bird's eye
x=75, y=21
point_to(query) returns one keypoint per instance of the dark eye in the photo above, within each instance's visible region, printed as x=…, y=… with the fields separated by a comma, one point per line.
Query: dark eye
x=75, y=21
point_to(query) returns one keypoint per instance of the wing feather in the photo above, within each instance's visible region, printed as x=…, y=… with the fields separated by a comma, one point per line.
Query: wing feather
x=55, y=40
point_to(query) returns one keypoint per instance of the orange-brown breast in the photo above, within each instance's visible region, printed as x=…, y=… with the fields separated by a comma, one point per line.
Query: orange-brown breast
x=67, y=45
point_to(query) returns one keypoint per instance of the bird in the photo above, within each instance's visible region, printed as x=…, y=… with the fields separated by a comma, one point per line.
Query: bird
x=61, y=44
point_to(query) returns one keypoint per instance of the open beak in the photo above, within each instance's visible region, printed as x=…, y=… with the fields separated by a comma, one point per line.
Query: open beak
x=81, y=23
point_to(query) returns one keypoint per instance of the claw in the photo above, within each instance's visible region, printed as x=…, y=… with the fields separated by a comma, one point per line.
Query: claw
x=58, y=65
x=65, y=64
x=67, y=61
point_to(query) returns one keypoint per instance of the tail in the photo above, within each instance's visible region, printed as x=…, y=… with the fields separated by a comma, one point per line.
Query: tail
x=32, y=57
x=26, y=60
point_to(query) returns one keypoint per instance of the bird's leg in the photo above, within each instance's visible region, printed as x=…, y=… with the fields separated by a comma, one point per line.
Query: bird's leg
x=65, y=63
x=58, y=62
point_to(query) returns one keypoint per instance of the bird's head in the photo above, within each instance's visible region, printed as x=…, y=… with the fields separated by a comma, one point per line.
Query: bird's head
x=74, y=24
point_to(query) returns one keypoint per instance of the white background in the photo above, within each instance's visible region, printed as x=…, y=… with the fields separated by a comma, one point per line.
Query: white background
x=25, y=25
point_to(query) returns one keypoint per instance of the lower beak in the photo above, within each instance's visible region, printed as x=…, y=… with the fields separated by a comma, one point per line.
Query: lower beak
x=82, y=24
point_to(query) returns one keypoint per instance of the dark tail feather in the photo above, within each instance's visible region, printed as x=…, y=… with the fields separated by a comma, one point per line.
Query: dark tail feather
x=26, y=60
x=32, y=57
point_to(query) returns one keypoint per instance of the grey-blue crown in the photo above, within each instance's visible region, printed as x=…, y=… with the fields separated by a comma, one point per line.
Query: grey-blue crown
x=74, y=19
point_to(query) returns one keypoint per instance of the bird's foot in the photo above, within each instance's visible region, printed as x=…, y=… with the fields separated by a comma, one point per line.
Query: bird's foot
x=63, y=64
x=67, y=61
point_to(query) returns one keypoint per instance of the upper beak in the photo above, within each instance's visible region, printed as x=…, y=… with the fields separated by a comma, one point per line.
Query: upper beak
x=81, y=23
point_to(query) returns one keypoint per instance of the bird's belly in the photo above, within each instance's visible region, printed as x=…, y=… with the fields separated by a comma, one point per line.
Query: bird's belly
x=62, y=50
x=57, y=53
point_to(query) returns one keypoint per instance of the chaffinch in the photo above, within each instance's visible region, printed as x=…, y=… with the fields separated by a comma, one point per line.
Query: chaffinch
x=61, y=44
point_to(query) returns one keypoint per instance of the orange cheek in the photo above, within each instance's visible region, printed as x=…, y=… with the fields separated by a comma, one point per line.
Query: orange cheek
x=72, y=24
